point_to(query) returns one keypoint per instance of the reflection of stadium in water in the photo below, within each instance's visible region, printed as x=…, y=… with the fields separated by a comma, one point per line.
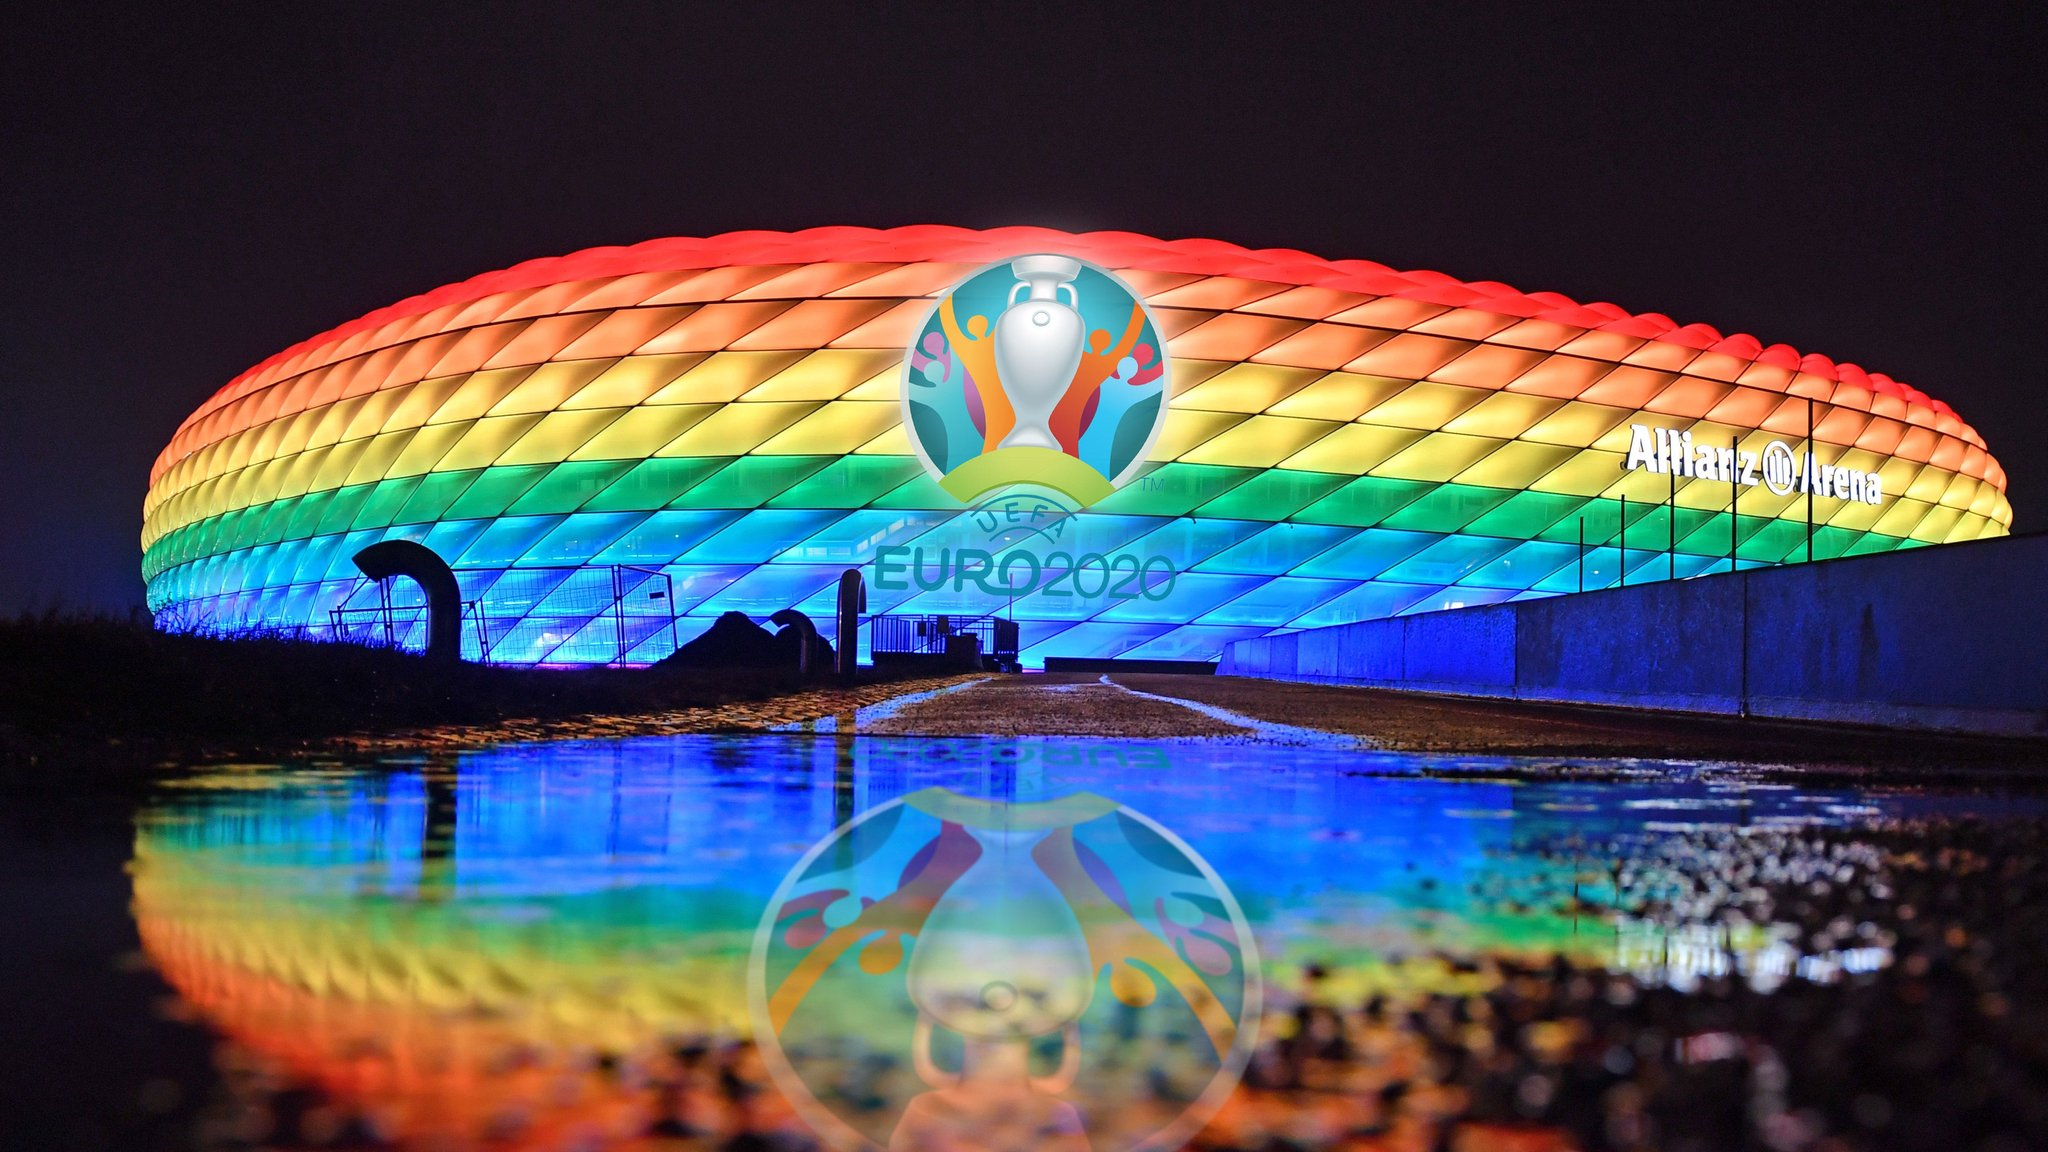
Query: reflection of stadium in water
x=442, y=947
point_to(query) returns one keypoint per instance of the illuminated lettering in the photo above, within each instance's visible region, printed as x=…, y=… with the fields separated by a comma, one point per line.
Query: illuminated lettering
x=917, y=569
x=963, y=571
x=1118, y=576
x=1641, y=452
x=1010, y=561
x=889, y=567
x=1670, y=451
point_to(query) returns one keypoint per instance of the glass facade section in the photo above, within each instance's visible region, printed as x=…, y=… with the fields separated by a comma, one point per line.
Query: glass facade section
x=1343, y=442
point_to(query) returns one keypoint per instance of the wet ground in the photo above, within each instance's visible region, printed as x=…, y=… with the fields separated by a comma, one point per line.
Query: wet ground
x=735, y=716
x=1169, y=706
x=547, y=945
x=1127, y=705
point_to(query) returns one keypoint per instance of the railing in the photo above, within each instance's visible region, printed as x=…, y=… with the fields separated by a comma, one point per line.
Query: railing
x=561, y=614
x=936, y=635
x=604, y=614
x=402, y=626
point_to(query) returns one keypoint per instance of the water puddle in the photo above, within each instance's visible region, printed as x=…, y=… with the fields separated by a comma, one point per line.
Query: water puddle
x=564, y=945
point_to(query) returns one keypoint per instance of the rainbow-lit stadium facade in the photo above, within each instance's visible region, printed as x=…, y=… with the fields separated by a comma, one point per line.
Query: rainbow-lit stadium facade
x=725, y=417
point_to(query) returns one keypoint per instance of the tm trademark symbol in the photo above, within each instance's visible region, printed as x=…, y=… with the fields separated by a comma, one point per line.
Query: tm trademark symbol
x=1151, y=483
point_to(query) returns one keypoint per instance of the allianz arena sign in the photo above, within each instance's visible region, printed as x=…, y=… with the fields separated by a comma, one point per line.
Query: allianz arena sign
x=1671, y=452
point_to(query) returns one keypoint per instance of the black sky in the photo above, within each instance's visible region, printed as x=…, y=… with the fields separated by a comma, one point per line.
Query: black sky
x=186, y=194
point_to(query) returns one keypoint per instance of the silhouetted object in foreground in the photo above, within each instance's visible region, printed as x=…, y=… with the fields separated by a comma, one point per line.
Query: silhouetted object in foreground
x=853, y=600
x=88, y=702
x=734, y=641
x=394, y=558
x=812, y=653
x=942, y=641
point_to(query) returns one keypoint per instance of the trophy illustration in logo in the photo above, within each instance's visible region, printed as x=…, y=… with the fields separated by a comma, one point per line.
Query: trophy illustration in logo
x=1044, y=370
x=950, y=972
x=1038, y=347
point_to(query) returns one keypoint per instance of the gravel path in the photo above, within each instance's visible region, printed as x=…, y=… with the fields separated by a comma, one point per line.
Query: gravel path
x=1151, y=706
x=1136, y=706
x=1056, y=704
x=1406, y=721
x=739, y=716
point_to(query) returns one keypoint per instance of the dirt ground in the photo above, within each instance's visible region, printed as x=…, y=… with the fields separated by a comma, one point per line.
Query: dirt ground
x=1157, y=706
x=1085, y=704
x=1419, y=722
x=1054, y=704
x=735, y=716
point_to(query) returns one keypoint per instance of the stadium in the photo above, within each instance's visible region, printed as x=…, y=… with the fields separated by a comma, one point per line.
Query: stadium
x=1131, y=447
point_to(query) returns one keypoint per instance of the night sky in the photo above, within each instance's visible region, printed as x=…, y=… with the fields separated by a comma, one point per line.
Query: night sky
x=184, y=198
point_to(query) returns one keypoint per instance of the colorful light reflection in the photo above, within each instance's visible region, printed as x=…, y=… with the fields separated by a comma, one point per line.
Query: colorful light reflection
x=513, y=943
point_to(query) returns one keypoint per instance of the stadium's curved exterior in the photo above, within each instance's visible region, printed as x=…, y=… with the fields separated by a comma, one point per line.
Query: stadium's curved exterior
x=602, y=442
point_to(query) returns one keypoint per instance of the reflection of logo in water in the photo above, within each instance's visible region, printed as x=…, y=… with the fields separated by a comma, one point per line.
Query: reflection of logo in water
x=1043, y=370
x=952, y=972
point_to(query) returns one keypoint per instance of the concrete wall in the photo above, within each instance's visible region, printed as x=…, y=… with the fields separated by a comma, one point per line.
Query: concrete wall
x=1952, y=638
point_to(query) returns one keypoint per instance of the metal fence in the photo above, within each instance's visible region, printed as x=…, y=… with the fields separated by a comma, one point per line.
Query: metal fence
x=404, y=627
x=600, y=614
x=935, y=635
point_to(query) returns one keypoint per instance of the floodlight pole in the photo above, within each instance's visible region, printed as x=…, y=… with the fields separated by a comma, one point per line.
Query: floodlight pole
x=1671, y=528
x=1734, y=507
x=1582, y=553
x=1806, y=479
x=1624, y=542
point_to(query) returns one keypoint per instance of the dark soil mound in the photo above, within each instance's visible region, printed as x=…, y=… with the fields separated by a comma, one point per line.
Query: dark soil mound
x=734, y=641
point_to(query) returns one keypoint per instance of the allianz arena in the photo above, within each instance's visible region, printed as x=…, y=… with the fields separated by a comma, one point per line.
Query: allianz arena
x=613, y=448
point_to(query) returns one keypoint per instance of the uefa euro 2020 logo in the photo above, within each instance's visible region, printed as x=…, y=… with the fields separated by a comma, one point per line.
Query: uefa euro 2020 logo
x=945, y=972
x=1042, y=370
